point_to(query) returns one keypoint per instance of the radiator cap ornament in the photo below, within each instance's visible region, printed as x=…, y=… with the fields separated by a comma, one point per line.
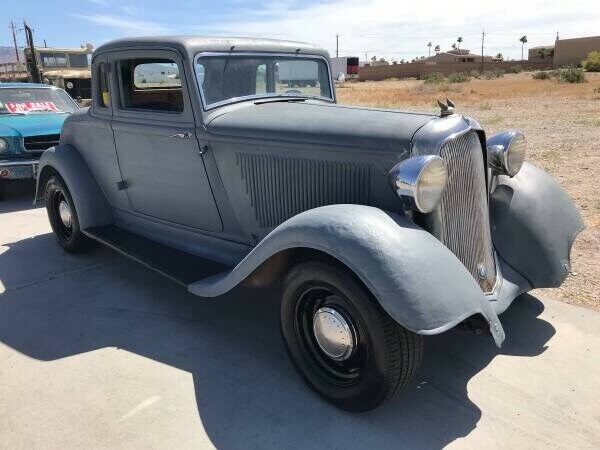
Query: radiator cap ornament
x=447, y=109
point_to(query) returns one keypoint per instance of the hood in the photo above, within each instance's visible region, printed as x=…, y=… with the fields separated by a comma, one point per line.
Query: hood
x=31, y=124
x=68, y=73
x=320, y=123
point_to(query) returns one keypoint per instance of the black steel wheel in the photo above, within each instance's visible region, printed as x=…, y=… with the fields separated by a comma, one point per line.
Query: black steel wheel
x=341, y=341
x=63, y=217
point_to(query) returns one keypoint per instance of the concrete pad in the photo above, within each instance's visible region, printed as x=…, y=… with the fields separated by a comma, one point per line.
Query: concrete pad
x=99, y=352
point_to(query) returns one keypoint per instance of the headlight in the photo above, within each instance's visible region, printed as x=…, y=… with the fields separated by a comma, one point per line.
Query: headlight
x=506, y=152
x=421, y=180
x=3, y=145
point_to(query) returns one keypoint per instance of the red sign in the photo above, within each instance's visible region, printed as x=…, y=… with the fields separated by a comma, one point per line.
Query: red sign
x=31, y=106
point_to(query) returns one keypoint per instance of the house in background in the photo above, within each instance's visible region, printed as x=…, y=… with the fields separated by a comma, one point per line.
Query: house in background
x=541, y=53
x=455, y=56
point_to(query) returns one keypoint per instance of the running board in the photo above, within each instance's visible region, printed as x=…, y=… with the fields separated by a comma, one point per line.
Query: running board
x=181, y=267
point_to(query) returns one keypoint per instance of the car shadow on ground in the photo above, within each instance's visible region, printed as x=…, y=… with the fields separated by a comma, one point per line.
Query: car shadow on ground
x=247, y=393
x=18, y=196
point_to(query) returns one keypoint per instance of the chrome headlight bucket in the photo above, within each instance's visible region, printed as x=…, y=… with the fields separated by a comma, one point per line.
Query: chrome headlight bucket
x=506, y=152
x=421, y=180
x=3, y=145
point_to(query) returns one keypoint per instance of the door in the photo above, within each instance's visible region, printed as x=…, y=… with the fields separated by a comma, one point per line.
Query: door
x=159, y=155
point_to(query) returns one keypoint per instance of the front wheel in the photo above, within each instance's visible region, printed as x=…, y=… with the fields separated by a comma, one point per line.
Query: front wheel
x=63, y=217
x=341, y=341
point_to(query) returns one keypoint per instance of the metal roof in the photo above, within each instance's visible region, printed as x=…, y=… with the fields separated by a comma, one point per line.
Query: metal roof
x=191, y=45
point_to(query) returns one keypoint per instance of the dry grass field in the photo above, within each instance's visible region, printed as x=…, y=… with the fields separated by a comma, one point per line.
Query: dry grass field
x=562, y=125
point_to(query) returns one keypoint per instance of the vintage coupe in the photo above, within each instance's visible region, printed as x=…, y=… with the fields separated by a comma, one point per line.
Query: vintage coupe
x=31, y=116
x=198, y=159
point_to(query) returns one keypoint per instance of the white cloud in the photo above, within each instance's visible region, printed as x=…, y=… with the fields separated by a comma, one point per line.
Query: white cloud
x=401, y=30
x=125, y=26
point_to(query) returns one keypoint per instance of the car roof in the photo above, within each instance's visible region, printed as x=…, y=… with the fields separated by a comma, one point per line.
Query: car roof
x=191, y=45
x=26, y=85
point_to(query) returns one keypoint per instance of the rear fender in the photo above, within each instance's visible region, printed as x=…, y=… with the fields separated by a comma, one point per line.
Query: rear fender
x=415, y=278
x=90, y=203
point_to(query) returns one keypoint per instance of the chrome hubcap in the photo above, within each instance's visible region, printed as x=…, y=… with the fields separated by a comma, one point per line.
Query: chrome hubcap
x=64, y=211
x=333, y=334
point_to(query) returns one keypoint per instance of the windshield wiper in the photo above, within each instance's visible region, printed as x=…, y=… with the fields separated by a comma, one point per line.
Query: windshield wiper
x=282, y=99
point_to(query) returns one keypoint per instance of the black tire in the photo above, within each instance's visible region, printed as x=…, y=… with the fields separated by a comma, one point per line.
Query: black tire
x=70, y=237
x=384, y=356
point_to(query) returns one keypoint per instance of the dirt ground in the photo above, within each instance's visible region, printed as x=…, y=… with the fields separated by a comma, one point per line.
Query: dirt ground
x=561, y=123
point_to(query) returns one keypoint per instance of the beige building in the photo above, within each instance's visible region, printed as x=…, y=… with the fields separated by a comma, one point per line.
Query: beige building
x=572, y=51
x=541, y=53
x=455, y=56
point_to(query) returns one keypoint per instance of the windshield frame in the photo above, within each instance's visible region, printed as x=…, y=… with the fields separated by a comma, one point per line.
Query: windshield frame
x=44, y=87
x=208, y=107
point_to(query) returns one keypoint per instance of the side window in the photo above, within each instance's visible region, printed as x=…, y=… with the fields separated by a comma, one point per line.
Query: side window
x=103, y=87
x=261, y=79
x=150, y=84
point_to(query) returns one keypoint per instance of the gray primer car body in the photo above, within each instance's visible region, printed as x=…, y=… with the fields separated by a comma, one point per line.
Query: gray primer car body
x=260, y=178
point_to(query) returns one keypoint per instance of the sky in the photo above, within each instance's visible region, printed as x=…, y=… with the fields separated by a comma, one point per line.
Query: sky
x=393, y=29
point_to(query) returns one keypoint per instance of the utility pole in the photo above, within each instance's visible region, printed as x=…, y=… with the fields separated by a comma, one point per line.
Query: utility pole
x=337, y=47
x=482, y=39
x=13, y=28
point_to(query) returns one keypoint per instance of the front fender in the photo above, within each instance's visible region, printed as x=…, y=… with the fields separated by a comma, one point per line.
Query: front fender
x=91, y=205
x=416, y=279
x=534, y=224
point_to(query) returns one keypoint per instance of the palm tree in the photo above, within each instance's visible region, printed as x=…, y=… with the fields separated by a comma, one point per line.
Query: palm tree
x=429, y=49
x=499, y=57
x=454, y=45
x=437, y=49
x=523, y=41
x=459, y=40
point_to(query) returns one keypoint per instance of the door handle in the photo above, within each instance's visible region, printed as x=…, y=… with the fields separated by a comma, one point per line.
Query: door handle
x=185, y=135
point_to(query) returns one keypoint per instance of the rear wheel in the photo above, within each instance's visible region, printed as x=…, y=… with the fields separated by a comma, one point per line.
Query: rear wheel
x=344, y=345
x=63, y=217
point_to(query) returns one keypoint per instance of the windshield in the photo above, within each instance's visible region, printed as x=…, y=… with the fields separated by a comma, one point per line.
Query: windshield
x=35, y=101
x=228, y=78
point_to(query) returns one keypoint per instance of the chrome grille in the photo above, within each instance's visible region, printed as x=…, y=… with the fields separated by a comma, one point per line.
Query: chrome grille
x=465, y=225
x=40, y=142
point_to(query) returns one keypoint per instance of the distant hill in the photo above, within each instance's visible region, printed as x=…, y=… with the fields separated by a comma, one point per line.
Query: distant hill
x=7, y=54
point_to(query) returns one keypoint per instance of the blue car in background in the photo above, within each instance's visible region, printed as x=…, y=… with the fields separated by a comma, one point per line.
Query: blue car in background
x=31, y=117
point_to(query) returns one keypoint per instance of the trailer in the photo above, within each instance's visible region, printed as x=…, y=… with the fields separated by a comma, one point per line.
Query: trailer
x=345, y=67
x=297, y=75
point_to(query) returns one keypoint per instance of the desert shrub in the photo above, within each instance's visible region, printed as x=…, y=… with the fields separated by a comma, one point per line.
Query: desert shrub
x=515, y=69
x=458, y=77
x=492, y=74
x=572, y=75
x=541, y=75
x=474, y=74
x=592, y=62
x=436, y=88
x=434, y=77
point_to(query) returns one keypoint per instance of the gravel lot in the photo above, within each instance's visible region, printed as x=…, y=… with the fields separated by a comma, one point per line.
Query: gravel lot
x=562, y=125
